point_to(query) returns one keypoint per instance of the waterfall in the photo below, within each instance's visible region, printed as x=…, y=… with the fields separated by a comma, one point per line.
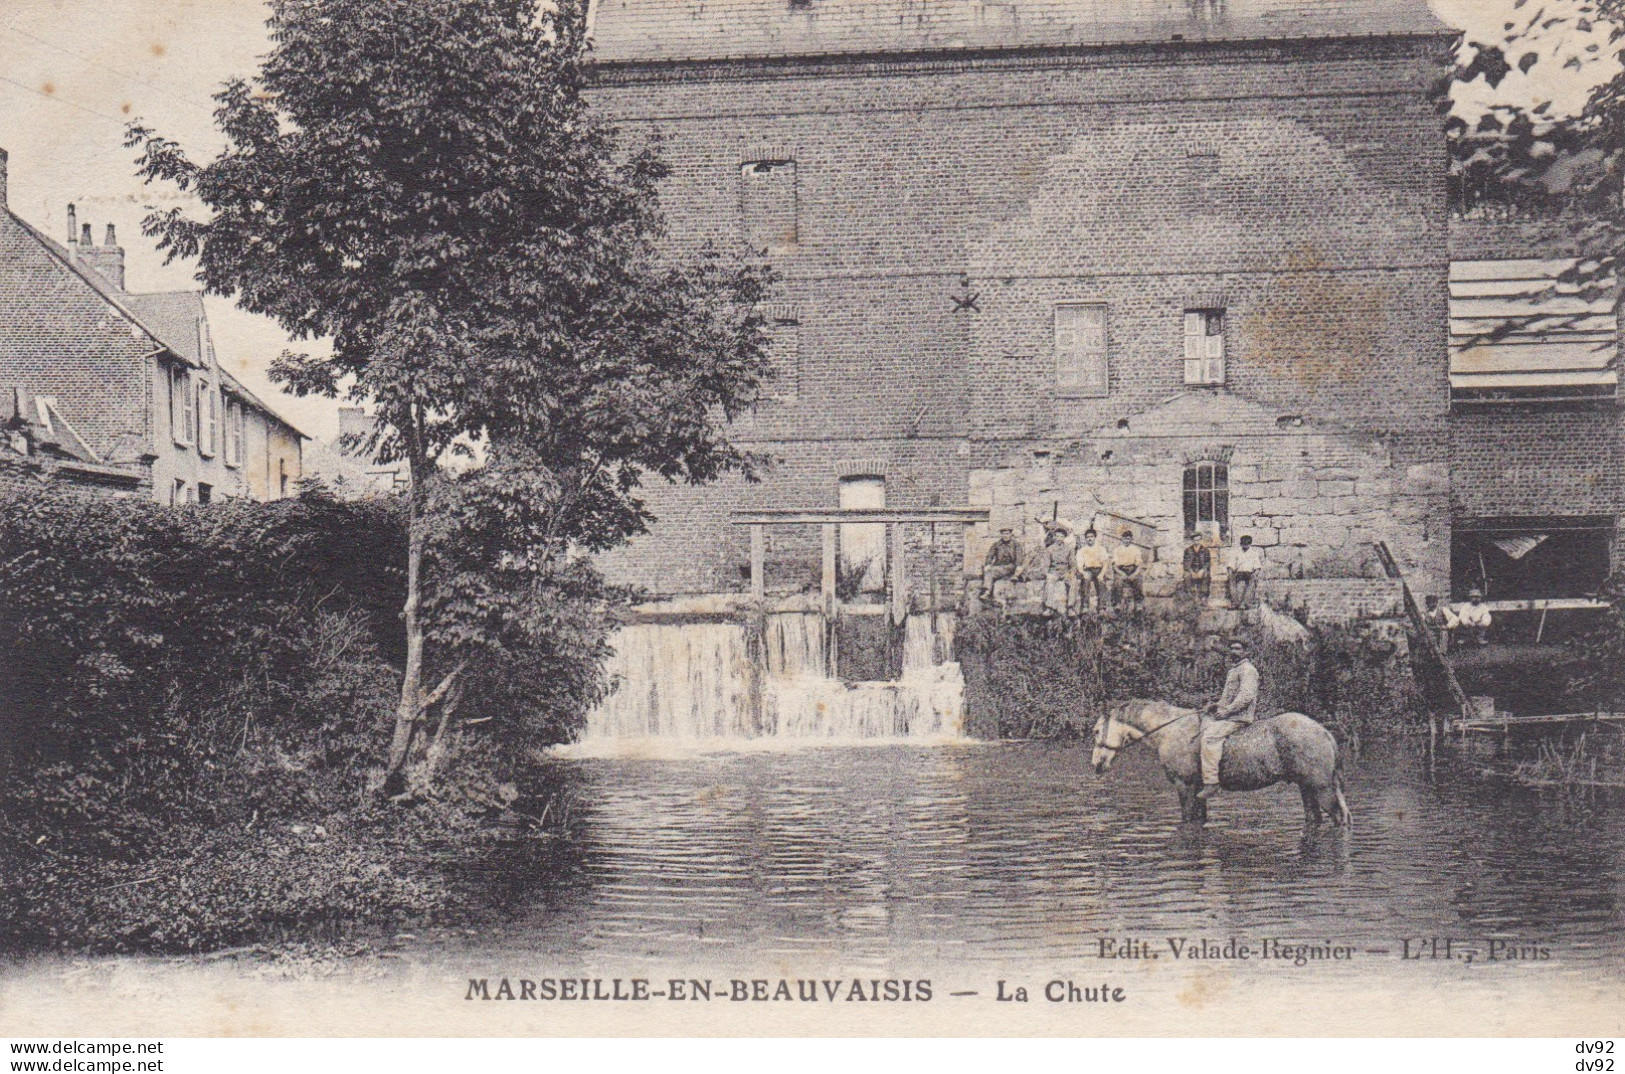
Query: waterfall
x=693, y=681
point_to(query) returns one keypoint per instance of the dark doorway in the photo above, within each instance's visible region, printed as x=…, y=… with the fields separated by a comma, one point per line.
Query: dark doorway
x=1530, y=558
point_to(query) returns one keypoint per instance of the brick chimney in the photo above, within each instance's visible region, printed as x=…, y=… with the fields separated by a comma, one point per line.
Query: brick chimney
x=73, y=227
x=3, y=159
x=107, y=259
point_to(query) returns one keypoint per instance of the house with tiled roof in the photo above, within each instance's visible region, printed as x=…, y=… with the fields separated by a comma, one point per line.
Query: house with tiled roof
x=130, y=380
x=1181, y=262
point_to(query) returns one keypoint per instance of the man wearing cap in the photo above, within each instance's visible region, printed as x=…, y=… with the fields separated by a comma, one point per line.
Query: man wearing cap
x=1002, y=561
x=1197, y=579
x=1128, y=567
x=1054, y=562
x=1474, y=616
x=1092, y=561
x=1236, y=708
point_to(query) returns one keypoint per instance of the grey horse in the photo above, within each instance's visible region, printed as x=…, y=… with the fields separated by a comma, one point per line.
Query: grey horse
x=1289, y=748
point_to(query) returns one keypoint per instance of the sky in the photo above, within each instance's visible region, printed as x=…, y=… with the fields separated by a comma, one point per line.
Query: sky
x=73, y=72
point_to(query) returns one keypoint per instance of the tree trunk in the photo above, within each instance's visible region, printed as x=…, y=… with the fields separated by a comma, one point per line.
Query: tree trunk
x=410, y=709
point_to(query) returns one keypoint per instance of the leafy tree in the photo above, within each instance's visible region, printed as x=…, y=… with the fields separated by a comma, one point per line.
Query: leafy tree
x=424, y=185
x=1528, y=159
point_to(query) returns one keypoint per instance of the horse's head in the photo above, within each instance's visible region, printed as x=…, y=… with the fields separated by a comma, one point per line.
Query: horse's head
x=1110, y=738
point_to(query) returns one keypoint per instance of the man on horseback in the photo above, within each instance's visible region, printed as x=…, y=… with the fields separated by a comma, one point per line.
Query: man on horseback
x=1236, y=708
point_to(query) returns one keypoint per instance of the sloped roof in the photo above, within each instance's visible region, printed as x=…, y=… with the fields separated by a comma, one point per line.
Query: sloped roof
x=652, y=30
x=1521, y=325
x=173, y=317
x=168, y=318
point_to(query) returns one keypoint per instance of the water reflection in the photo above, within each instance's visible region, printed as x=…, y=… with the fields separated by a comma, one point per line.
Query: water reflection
x=1014, y=854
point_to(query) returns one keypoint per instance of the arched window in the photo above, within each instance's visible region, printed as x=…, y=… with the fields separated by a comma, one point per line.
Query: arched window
x=1207, y=499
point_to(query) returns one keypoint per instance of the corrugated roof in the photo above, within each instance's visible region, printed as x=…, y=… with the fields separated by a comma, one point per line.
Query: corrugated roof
x=1518, y=324
x=632, y=30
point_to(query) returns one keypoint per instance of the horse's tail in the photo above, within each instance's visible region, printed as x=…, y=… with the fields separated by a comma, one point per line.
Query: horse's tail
x=1343, y=815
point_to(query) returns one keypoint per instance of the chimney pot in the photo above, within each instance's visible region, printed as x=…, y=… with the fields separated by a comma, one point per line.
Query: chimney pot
x=73, y=224
x=111, y=239
x=84, y=236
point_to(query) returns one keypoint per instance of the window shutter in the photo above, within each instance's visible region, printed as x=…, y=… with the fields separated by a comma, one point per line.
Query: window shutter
x=1204, y=346
x=208, y=408
x=189, y=398
x=1213, y=357
x=1080, y=350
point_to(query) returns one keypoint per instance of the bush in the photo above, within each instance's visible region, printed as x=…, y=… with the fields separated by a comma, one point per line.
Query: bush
x=198, y=701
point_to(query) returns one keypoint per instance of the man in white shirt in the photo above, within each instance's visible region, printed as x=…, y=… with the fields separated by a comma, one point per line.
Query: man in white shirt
x=1474, y=616
x=1236, y=708
x=1128, y=569
x=1245, y=566
x=1092, y=560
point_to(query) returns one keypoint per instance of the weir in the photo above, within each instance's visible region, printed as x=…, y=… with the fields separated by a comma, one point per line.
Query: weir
x=770, y=668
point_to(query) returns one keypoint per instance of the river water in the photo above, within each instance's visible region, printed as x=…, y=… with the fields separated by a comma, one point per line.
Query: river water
x=899, y=857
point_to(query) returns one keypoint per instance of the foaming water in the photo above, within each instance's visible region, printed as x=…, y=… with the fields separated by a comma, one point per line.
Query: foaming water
x=902, y=855
x=693, y=682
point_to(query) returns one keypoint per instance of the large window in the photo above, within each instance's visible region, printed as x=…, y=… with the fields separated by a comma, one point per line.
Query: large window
x=1204, y=346
x=1207, y=499
x=767, y=197
x=1080, y=349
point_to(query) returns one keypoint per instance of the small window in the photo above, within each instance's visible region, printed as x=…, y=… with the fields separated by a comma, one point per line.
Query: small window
x=177, y=494
x=208, y=416
x=768, y=201
x=1207, y=499
x=1080, y=349
x=205, y=492
x=784, y=347
x=181, y=403
x=282, y=473
x=1204, y=346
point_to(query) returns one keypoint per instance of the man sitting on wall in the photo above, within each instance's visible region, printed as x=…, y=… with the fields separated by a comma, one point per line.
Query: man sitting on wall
x=1442, y=621
x=1236, y=708
x=1001, y=564
x=1092, y=561
x=1244, y=568
x=1128, y=563
x=1053, y=563
x=1473, y=616
x=1196, y=582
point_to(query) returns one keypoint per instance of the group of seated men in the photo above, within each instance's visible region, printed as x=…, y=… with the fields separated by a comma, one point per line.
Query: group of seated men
x=1081, y=575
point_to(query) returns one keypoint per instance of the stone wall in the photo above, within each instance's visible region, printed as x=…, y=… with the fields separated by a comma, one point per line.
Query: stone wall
x=1313, y=497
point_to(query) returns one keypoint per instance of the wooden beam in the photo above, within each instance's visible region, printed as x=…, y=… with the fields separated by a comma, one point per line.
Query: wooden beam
x=895, y=539
x=758, y=562
x=828, y=587
x=888, y=515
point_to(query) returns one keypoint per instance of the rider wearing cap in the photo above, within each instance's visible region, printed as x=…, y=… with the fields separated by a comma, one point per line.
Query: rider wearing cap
x=1128, y=564
x=1236, y=708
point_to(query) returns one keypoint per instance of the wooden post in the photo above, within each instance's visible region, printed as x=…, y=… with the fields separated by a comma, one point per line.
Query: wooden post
x=899, y=584
x=828, y=603
x=758, y=561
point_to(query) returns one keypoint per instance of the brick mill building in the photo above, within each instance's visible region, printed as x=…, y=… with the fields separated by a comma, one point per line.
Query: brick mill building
x=121, y=391
x=1172, y=266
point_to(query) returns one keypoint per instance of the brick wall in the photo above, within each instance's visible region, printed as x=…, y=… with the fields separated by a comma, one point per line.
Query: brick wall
x=1302, y=185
